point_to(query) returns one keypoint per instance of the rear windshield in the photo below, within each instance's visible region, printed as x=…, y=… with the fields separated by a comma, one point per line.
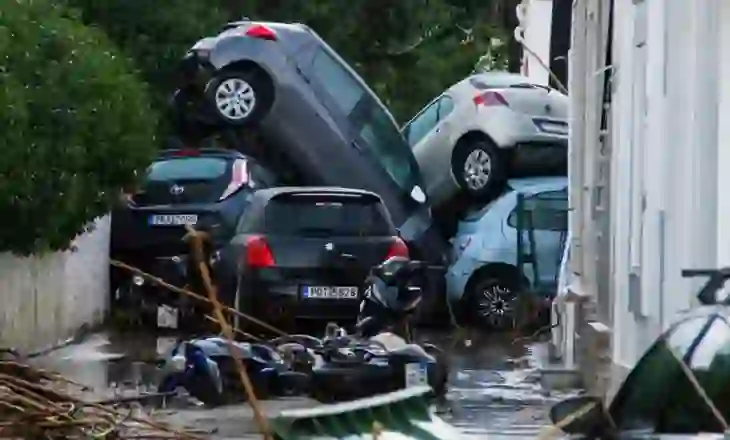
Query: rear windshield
x=311, y=216
x=188, y=168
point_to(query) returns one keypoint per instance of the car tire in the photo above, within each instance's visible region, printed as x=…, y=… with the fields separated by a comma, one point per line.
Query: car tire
x=247, y=92
x=478, y=168
x=493, y=303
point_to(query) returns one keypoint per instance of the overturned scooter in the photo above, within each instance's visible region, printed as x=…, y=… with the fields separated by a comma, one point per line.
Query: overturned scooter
x=381, y=357
x=207, y=370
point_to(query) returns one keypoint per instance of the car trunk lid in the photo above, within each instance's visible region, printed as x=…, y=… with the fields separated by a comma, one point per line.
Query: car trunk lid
x=536, y=101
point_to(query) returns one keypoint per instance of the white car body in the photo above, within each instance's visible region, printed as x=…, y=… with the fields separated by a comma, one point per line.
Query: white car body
x=506, y=108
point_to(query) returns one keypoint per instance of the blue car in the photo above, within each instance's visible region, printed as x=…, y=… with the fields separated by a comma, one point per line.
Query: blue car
x=492, y=264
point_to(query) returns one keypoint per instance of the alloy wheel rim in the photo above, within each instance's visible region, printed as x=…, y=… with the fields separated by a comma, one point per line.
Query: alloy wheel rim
x=235, y=99
x=496, y=306
x=477, y=169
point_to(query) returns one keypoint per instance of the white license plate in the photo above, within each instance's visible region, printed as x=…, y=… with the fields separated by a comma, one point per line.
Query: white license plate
x=330, y=292
x=173, y=219
x=416, y=375
x=167, y=317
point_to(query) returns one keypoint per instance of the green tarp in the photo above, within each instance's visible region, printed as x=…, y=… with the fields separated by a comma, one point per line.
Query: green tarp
x=401, y=415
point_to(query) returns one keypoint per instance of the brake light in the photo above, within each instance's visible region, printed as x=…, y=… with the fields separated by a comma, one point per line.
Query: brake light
x=262, y=32
x=239, y=177
x=398, y=249
x=258, y=253
x=187, y=152
x=491, y=99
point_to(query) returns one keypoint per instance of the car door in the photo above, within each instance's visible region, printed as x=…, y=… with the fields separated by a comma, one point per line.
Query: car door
x=426, y=137
x=542, y=219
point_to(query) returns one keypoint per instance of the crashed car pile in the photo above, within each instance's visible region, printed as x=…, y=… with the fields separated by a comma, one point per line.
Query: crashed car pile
x=316, y=207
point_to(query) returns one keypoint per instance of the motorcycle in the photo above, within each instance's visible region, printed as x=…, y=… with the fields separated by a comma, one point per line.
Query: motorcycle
x=381, y=356
x=207, y=370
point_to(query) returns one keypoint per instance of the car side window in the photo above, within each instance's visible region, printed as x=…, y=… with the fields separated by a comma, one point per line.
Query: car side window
x=546, y=211
x=422, y=124
x=658, y=391
x=446, y=106
x=343, y=88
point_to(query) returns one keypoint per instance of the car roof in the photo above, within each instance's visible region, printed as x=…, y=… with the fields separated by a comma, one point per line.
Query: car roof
x=529, y=185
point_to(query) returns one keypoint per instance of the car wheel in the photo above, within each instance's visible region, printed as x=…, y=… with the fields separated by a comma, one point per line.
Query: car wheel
x=238, y=98
x=493, y=302
x=478, y=167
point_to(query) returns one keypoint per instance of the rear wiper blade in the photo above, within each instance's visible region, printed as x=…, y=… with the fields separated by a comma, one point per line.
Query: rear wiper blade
x=318, y=231
x=529, y=86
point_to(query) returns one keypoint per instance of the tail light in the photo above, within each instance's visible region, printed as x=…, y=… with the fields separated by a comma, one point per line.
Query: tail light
x=398, y=249
x=258, y=253
x=239, y=177
x=490, y=99
x=186, y=152
x=261, y=32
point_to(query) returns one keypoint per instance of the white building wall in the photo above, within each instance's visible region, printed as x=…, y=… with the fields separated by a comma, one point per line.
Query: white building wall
x=670, y=146
x=46, y=299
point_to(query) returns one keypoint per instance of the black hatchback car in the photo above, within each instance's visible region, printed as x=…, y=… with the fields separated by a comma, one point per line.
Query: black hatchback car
x=208, y=189
x=303, y=253
x=314, y=113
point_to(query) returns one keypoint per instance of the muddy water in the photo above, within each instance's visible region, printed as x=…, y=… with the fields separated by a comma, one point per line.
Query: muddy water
x=495, y=390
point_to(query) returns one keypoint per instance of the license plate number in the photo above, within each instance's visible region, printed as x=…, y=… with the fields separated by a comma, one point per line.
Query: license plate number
x=416, y=375
x=173, y=219
x=330, y=292
x=167, y=317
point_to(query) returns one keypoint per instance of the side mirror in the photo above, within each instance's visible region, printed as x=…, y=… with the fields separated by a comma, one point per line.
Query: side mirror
x=584, y=415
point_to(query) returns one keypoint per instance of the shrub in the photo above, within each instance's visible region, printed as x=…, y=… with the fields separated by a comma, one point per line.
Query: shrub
x=75, y=121
x=155, y=34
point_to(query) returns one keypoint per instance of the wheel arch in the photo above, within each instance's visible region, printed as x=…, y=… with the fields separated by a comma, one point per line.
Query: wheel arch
x=249, y=65
x=504, y=271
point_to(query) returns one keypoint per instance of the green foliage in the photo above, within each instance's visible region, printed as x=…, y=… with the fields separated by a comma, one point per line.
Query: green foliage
x=155, y=34
x=76, y=125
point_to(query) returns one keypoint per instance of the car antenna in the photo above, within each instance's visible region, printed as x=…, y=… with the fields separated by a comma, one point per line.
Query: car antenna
x=707, y=295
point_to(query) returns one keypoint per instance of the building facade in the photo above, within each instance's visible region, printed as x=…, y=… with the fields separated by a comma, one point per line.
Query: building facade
x=650, y=134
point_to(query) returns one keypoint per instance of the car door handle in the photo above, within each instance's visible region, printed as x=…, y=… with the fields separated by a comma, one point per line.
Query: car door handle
x=357, y=146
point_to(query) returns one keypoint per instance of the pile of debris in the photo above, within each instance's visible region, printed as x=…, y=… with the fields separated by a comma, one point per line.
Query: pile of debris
x=40, y=404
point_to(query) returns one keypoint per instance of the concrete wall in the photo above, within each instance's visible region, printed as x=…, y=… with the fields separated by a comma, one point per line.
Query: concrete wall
x=45, y=300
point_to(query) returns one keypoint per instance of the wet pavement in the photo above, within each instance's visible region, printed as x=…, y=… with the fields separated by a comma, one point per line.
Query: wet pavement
x=495, y=390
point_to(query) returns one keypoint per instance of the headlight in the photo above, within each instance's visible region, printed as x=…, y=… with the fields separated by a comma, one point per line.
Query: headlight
x=137, y=280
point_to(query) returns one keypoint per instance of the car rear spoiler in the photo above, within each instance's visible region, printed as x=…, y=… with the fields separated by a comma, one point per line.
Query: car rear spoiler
x=404, y=412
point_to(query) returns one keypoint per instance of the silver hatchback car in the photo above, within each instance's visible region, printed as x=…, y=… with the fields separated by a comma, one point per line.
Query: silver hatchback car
x=314, y=113
x=482, y=129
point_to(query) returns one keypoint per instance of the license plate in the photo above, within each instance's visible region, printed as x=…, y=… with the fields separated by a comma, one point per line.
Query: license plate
x=167, y=317
x=173, y=219
x=416, y=375
x=330, y=292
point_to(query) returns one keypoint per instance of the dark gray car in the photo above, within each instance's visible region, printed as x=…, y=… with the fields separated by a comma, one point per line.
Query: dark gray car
x=311, y=108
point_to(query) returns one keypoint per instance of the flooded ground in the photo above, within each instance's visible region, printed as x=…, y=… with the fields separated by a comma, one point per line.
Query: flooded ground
x=495, y=390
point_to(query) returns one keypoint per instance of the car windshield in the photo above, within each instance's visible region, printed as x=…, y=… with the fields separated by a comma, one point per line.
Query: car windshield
x=326, y=216
x=187, y=168
x=390, y=148
x=658, y=392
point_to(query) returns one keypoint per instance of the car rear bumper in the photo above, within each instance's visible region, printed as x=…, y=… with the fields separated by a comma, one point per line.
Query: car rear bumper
x=283, y=301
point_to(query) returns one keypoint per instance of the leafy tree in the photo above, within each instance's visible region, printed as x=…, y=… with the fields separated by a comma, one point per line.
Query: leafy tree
x=155, y=34
x=76, y=125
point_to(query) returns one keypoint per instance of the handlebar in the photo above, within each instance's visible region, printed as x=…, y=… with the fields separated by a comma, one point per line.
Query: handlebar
x=717, y=279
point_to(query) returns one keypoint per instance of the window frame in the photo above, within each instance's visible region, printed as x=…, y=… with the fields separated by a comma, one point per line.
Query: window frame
x=512, y=217
x=363, y=93
x=406, y=129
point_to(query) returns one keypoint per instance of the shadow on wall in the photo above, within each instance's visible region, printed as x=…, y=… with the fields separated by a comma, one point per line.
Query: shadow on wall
x=46, y=299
